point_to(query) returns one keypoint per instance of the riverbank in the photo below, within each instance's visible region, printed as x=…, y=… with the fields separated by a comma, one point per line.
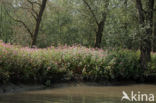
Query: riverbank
x=16, y=88
x=78, y=93
x=23, y=65
x=19, y=88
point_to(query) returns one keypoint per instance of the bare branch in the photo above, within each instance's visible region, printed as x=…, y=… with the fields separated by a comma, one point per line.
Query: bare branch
x=90, y=9
x=24, y=8
x=34, y=2
x=32, y=7
x=33, y=15
x=30, y=10
x=26, y=27
x=20, y=21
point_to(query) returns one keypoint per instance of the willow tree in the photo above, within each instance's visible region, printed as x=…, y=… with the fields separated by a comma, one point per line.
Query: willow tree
x=154, y=36
x=154, y=30
x=36, y=9
x=146, y=23
x=100, y=23
x=6, y=24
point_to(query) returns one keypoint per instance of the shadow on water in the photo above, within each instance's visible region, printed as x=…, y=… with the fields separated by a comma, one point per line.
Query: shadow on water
x=77, y=94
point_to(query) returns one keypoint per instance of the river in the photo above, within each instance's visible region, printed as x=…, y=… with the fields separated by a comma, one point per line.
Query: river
x=79, y=93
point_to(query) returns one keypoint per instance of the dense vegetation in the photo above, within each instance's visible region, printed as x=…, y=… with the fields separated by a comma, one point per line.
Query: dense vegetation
x=25, y=65
x=70, y=22
x=46, y=41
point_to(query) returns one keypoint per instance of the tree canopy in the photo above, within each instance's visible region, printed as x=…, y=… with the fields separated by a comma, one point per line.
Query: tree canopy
x=126, y=24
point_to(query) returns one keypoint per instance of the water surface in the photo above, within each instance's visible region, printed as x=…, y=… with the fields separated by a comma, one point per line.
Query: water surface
x=77, y=94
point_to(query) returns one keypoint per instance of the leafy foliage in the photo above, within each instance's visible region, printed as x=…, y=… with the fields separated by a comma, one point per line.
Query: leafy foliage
x=51, y=64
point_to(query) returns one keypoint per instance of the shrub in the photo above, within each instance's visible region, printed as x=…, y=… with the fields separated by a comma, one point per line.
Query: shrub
x=49, y=64
x=124, y=65
x=4, y=76
x=118, y=65
x=54, y=64
x=153, y=62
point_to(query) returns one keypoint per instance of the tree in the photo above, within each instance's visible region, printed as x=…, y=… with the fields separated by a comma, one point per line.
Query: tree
x=100, y=23
x=154, y=31
x=6, y=24
x=146, y=24
x=36, y=15
x=38, y=21
x=154, y=36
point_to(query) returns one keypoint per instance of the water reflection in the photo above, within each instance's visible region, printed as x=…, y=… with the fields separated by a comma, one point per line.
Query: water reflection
x=76, y=94
x=55, y=99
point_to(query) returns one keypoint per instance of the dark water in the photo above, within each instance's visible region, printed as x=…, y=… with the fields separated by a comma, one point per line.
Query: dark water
x=77, y=94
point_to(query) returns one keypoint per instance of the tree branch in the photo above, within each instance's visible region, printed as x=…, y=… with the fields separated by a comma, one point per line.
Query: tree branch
x=20, y=21
x=140, y=10
x=30, y=10
x=90, y=9
x=34, y=2
x=104, y=13
x=26, y=27
x=32, y=7
x=33, y=15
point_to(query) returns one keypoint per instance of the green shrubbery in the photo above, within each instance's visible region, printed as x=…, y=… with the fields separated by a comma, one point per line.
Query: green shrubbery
x=25, y=65
x=119, y=65
x=153, y=62
x=124, y=65
x=4, y=76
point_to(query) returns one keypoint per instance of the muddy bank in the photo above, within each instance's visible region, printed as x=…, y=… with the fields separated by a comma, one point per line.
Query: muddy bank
x=77, y=93
x=15, y=88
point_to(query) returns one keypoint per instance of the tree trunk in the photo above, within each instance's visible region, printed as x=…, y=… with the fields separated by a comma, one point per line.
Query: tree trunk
x=100, y=31
x=38, y=21
x=154, y=37
x=145, y=47
x=146, y=23
x=99, y=34
x=101, y=24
